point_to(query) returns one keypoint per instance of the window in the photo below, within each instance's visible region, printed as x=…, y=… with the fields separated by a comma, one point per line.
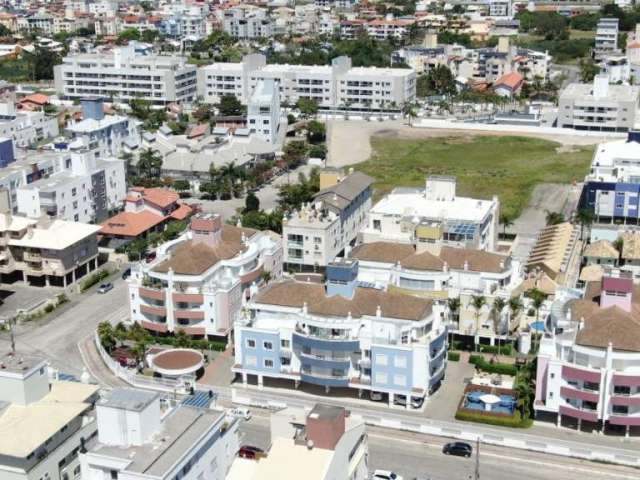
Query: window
x=381, y=359
x=381, y=378
x=268, y=363
x=74, y=191
x=284, y=343
x=622, y=390
x=285, y=361
x=400, y=380
x=400, y=362
x=620, y=409
x=267, y=345
x=113, y=474
x=377, y=225
x=251, y=361
x=251, y=343
x=553, y=375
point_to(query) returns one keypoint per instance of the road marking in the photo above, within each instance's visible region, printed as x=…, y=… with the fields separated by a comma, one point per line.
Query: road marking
x=516, y=460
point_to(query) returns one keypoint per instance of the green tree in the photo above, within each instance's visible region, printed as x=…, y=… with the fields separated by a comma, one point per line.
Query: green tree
x=230, y=106
x=182, y=340
x=585, y=218
x=477, y=303
x=453, y=305
x=41, y=62
x=107, y=336
x=437, y=81
x=588, y=70
x=496, y=315
x=318, y=151
x=515, y=305
x=506, y=221
x=316, y=132
x=295, y=152
x=307, y=107
x=251, y=203
x=553, y=218
x=409, y=111
x=292, y=196
x=149, y=163
x=129, y=34
x=181, y=185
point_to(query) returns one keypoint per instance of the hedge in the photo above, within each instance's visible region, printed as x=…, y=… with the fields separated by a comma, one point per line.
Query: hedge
x=94, y=278
x=514, y=421
x=198, y=344
x=503, y=350
x=500, y=368
x=453, y=356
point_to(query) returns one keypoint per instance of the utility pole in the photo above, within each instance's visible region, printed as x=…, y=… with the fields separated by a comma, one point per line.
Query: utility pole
x=477, y=472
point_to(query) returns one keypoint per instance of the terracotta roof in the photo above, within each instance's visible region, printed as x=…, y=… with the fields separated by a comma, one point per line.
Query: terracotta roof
x=182, y=212
x=198, y=130
x=511, y=80
x=161, y=197
x=364, y=302
x=386, y=252
x=37, y=98
x=195, y=258
x=130, y=224
x=600, y=249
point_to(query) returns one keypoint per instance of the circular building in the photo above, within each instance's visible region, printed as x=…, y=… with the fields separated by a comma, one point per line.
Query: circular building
x=177, y=362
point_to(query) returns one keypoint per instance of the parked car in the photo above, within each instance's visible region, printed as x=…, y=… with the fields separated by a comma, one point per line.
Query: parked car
x=416, y=402
x=247, y=451
x=126, y=274
x=241, y=412
x=105, y=287
x=376, y=396
x=460, y=449
x=151, y=256
x=385, y=475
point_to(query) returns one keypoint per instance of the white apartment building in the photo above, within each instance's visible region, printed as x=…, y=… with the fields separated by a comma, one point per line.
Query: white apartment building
x=106, y=135
x=247, y=24
x=598, y=106
x=434, y=215
x=83, y=188
x=263, y=111
x=26, y=128
x=335, y=86
x=606, y=41
x=319, y=232
x=198, y=281
x=45, y=422
x=142, y=436
x=124, y=75
x=326, y=443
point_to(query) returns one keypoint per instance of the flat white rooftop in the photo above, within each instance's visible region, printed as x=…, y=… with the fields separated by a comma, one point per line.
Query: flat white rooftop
x=58, y=235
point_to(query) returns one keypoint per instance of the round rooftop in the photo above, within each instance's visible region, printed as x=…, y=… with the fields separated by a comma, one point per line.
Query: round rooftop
x=177, y=361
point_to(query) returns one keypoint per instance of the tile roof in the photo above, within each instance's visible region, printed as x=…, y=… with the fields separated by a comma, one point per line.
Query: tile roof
x=195, y=258
x=386, y=252
x=600, y=249
x=162, y=197
x=512, y=80
x=37, y=98
x=130, y=224
x=364, y=302
x=182, y=212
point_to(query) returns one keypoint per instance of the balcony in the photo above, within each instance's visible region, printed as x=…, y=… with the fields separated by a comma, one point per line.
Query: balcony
x=364, y=362
x=336, y=344
x=32, y=256
x=626, y=380
x=326, y=361
x=196, y=298
x=581, y=414
x=324, y=380
x=157, y=311
x=361, y=380
x=189, y=314
x=152, y=293
x=573, y=373
x=622, y=399
x=627, y=420
x=579, y=394
x=154, y=327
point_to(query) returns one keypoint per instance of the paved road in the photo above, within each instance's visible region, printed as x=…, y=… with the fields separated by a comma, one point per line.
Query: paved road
x=56, y=337
x=414, y=455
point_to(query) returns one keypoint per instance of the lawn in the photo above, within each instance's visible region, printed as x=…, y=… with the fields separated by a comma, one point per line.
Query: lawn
x=508, y=166
x=14, y=70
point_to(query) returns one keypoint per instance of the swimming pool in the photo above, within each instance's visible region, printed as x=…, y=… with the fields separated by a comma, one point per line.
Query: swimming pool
x=537, y=326
x=504, y=403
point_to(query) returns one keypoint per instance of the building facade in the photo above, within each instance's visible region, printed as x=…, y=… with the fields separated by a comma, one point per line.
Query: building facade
x=263, y=111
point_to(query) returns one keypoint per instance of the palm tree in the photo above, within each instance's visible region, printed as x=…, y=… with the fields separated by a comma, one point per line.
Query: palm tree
x=515, y=305
x=120, y=332
x=266, y=277
x=181, y=339
x=408, y=110
x=149, y=163
x=496, y=315
x=585, y=218
x=454, y=308
x=477, y=302
x=139, y=350
x=537, y=298
x=554, y=218
x=506, y=221
x=106, y=336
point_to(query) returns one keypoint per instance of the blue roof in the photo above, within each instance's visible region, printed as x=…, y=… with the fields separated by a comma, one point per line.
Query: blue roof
x=199, y=399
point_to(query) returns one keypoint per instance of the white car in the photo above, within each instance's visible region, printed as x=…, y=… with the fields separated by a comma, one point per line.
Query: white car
x=241, y=412
x=385, y=475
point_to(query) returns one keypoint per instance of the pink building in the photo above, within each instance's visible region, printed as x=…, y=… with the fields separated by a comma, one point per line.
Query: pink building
x=589, y=375
x=199, y=281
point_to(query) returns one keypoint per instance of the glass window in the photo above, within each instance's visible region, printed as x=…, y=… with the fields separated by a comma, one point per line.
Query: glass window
x=251, y=343
x=268, y=363
x=267, y=345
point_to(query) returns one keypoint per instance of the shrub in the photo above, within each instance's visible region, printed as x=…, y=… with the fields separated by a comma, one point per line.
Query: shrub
x=514, y=421
x=49, y=308
x=503, y=350
x=499, y=368
x=93, y=279
x=454, y=356
x=62, y=298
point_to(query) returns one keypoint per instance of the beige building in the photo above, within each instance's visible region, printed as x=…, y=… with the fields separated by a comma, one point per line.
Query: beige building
x=46, y=252
x=44, y=423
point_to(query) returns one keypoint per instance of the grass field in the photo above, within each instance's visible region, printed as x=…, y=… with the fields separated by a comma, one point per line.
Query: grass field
x=484, y=165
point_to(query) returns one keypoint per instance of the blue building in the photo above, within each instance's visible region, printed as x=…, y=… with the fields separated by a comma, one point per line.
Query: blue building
x=341, y=335
x=6, y=152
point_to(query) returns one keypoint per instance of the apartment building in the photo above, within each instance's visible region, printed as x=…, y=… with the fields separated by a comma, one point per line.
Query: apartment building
x=247, y=24
x=587, y=374
x=46, y=423
x=606, y=40
x=320, y=231
x=612, y=186
x=263, y=111
x=335, y=86
x=106, y=135
x=598, y=106
x=326, y=443
x=83, y=189
x=46, y=252
x=124, y=75
x=26, y=127
x=343, y=335
x=434, y=215
x=142, y=436
x=198, y=281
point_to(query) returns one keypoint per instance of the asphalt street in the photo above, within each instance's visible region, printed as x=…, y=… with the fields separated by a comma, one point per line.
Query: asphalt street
x=419, y=456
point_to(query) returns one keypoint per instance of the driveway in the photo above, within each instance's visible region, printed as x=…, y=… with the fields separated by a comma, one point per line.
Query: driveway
x=444, y=403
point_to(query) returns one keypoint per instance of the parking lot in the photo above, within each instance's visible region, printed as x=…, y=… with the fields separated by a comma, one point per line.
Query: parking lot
x=18, y=296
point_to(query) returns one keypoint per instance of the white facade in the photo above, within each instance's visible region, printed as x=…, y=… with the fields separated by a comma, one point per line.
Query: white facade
x=462, y=221
x=263, y=111
x=124, y=75
x=245, y=24
x=26, y=128
x=338, y=86
x=606, y=40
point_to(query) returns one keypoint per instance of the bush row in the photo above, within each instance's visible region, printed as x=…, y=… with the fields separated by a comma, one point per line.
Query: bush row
x=198, y=344
x=500, y=368
x=515, y=421
x=454, y=356
x=94, y=278
x=502, y=350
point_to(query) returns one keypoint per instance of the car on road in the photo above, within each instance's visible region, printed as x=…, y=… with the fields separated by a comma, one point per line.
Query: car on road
x=460, y=449
x=105, y=287
x=385, y=475
x=126, y=274
x=241, y=412
x=247, y=451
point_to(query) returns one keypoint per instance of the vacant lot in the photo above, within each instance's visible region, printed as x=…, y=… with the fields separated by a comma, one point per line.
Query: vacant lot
x=508, y=166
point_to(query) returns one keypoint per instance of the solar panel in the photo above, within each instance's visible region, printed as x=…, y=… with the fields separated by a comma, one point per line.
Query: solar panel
x=200, y=399
x=67, y=377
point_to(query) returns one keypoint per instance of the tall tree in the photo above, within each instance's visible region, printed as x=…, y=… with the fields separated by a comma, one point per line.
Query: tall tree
x=230, y=106
x=477, y=303
x=149, y=163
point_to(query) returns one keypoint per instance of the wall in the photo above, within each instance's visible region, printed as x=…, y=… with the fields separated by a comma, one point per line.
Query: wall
x=260, y=353
x=398, y=369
